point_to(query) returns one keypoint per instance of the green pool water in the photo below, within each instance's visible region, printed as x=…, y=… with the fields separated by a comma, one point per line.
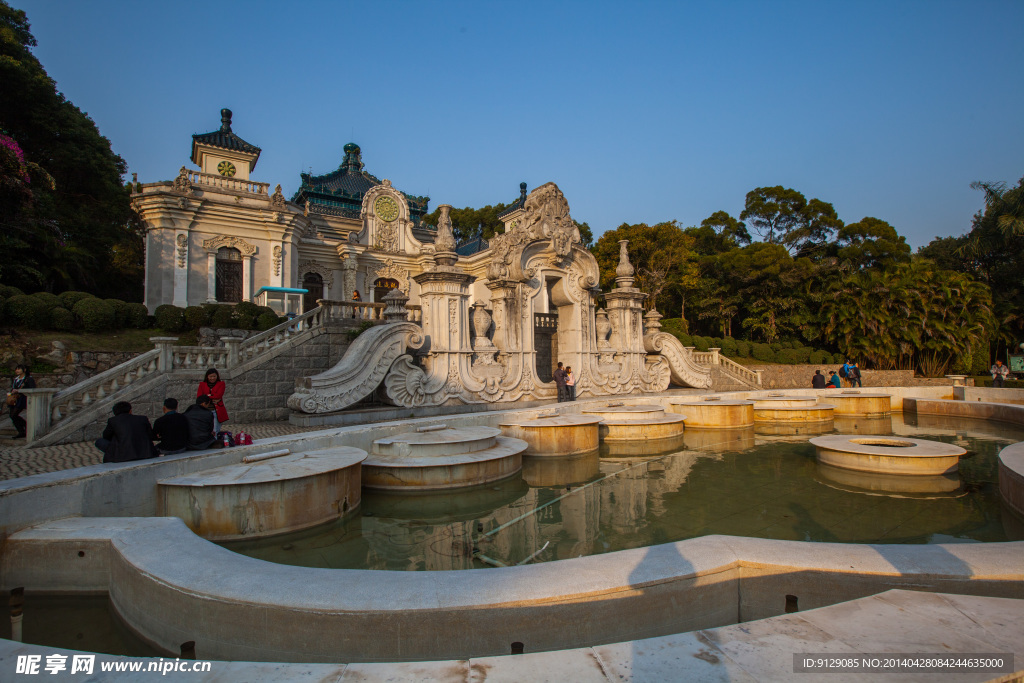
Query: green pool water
x=737, y=482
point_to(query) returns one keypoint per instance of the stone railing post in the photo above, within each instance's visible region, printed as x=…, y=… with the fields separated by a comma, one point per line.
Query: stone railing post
x=758, y=372
x=165, y=361
x=232, y=344
x=714, y=356
x=957, y=380
x=38, y=414
x=395, y=311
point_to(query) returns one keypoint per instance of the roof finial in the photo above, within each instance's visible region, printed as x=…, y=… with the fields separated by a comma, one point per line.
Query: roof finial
x=522, y=193
x=225, y=120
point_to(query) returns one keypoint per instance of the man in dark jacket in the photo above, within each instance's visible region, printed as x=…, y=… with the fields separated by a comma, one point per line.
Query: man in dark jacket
x=172, y=429
x=126, y=436
x=559, y=376
x=818, y=381
x=200, y=424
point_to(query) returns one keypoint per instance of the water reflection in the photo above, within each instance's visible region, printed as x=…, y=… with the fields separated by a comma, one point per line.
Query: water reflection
x=652, y=447
x=881, y=426
x=792, y=429
x=716, y=482
x=947, y=485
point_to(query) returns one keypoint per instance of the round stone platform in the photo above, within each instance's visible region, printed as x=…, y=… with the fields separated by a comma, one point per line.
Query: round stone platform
x=643, y=429
x=888, y=454
x=718, y=440
x=442, y=459
x=784, y=401
x=894, y=485
x=860, y=404
x=790, y=414
x=273, y=496
x=561, y=471
x=621, y=412
x=715, y=414
x=556, y=436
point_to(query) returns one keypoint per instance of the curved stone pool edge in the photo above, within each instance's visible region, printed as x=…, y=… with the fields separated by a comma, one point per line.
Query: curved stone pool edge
x=236, y=608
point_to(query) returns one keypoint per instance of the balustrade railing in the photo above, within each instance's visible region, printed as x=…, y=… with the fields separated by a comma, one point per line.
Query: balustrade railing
x=198, y=358
x=225, y=183
x=415, y=313
x=96, y=388
x=275, y=336
x=714, y=357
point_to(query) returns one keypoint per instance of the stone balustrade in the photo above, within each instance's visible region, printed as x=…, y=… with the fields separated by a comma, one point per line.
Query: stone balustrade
x=713, y=356
x=69, y=401
x=232, y=184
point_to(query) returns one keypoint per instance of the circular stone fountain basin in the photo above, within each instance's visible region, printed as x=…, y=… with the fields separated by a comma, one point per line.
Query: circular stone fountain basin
x=888, y=454
x=556, y=436
x=640, y=412
x=715, y=414
x=876, y=483
x=442, y=459
x=644, y=429
x=860, y=404
x=274, y=496
x=809, y=413
x=784, y=402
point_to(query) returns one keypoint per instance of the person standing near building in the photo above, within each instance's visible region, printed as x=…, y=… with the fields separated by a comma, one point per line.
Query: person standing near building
x=17, y=401
x=559, y=376
x=570, y=385
x=214, y=387
x=999, y=373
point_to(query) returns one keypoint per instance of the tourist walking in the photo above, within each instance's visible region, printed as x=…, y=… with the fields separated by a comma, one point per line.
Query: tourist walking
x=201, y=434
x=999, y=373
x=844, y=372
x=17, y=401
x=818, y=381
x=214, y=387
x=570, y=384
x=171, y=429
x=126, y=436
x=559, y=376
x=854, y=373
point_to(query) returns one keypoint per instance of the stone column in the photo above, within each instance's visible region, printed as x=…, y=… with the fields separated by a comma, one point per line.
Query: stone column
x=246, y=278
x=714, y=356
x=165, y=361
x=37, y=414
x=232, y=344
x=146, y=254
x=211, y=277
x=181, y=259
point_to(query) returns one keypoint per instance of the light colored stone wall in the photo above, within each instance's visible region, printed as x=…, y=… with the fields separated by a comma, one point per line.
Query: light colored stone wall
x=797, y=376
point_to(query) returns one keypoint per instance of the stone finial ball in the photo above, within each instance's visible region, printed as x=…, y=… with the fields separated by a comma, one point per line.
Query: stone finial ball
x=351, y=148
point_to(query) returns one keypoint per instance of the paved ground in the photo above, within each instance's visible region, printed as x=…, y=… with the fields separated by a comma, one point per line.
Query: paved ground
x=18, y=461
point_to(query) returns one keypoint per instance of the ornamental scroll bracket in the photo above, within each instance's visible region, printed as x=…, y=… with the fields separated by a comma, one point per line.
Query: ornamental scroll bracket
x=213, y=244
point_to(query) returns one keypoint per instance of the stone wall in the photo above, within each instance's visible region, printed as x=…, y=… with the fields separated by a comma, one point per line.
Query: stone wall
x=77, y=366
x=798, y=376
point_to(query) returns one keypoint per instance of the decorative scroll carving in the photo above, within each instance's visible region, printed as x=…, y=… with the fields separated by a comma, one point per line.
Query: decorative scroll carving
x=277, y=199
x=215, y=243
x=684, y=370
x=182, y=242
x=320, y=269
x=349, y=271
x=278, y=253
x=386, y=238
x=546, y=217
x=395, y=272
x=359, y=372
x=182, y=182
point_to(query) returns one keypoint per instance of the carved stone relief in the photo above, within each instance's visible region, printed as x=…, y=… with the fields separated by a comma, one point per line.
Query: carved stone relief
x=182, y=242
x=215, y=243
x=320, y=269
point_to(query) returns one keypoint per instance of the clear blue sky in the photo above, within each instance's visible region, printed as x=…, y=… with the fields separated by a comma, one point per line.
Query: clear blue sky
x=640, y=111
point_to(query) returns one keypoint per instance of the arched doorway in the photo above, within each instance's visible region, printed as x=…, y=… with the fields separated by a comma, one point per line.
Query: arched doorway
x=229, y=275
x=382, y=286
x=313, y=283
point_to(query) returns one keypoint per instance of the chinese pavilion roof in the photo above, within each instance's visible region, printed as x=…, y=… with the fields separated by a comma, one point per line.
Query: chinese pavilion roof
x=517, y=204
x=225, y=139
x=340, y=193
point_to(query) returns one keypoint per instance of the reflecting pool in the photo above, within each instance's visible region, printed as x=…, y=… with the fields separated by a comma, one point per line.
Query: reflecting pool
x=738, y=482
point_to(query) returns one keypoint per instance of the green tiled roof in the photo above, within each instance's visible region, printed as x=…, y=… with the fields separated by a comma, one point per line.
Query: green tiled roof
x=225, y=139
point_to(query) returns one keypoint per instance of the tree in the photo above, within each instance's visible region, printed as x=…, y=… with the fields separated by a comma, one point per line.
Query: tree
x=872, y=243
x=732, y=232
x=80, y=218
x=663, y=257
x=782, y=215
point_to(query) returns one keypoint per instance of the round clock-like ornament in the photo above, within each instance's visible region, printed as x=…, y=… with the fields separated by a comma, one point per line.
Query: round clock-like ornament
x=386, y=208
x=226, y=168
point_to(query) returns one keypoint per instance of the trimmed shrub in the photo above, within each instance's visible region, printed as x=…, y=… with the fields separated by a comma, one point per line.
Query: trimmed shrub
x=120, y=312
x=26, y=310
x=170, y=318
x=247, y=308
x=266, y=321
x=69, y=299
x=7, y=291
x=817, y=357
x=802, y=354
x=267, y=310
x=729, y=346
x=94, y=315
x=776, y=346
x=702, y=343
x=743, y=349
x=137, y=317
x=763, y=352
x=715, y=342
x=685, y=339
x=224, y=317
x=198, y=316
x=786, y=356
x=61, y=319
x=50, y=300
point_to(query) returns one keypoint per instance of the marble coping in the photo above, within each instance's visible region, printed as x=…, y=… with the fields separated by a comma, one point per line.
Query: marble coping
x=158, y=573
x=554, y=421
x=440, y=442
x=502, y=447
x=294, y=466
x=895, y=621
x=891, y=446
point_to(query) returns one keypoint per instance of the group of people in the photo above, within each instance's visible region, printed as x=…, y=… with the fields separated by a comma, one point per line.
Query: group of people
x=566, y=383
x=130, y=437
x=849, y=371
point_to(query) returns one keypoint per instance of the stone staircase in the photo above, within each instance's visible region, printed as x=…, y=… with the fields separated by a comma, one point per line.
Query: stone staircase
x=726, y=374
x=260, y=373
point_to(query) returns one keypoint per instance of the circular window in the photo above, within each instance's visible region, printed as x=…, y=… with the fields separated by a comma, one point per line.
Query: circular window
x=226, y=168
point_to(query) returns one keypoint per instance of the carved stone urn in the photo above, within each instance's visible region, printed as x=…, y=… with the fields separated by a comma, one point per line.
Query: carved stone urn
x=624, y=271
x=481, y=322
x=603, y=328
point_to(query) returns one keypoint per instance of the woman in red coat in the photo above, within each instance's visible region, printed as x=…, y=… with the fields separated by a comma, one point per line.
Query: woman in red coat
x=214, y=387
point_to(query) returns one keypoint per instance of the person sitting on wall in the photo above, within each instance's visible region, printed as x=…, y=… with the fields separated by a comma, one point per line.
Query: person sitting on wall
x=999, y=373
x=818, y=381
x=834, y=382
x=126, y=436
x=172, y=429
x=559, y=376
x=200, y=425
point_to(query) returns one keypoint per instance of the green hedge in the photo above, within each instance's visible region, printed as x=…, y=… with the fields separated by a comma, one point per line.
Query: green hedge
x=198, y=316
x=51, y=301
x=137, y=316
x=7, y=291
x=170, y=318
x=25, y=310
x=267, y=320
x=69, y=299
x=763, y=353
x=224, y=317
x=61, y=319
x=95, y=315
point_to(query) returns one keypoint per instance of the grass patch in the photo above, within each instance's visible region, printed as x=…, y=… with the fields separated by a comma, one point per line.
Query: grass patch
x=133, y=341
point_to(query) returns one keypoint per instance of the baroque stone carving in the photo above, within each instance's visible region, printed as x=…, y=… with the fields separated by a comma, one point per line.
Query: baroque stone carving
x=277, y=199
x=182, y=183
x=546, y=216
x=386, y=238
x=445, y=240
x=278, y=252
x=320, y=269
x=182, y=242
x=349, y=270
x=391, y=270
x=215, y=243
